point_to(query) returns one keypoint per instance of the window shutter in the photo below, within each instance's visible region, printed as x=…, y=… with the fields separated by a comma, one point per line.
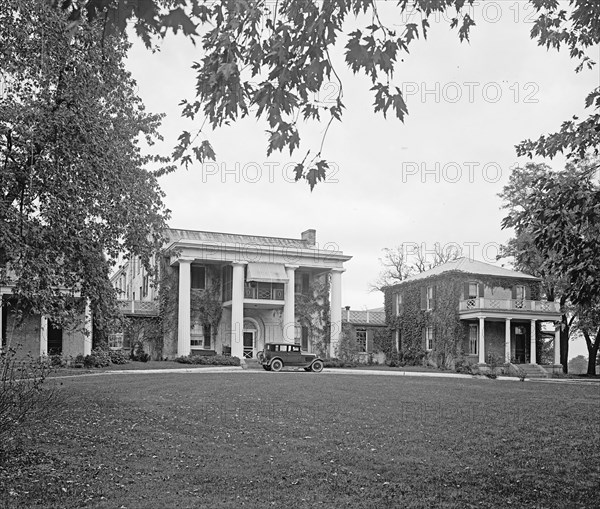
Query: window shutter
x=434, y=296
x=466, y=290
x=527, y=293
x=514, y=292
x=423, y=297
x=369, y=341
x=480, y=285
x=424, y=338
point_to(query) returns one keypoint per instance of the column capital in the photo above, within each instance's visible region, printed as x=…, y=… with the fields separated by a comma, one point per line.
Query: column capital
x=239, y=264
x=291, y=267
x=337, y=269
x=185, y=259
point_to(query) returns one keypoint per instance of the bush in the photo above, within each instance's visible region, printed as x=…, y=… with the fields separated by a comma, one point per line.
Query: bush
x=21, y=393
x=138, y=354
x=78, y=362
x=97, y=359
x=118, y=357
x=212, y=360
x=339, y=363
x=412, y=357
x=461, y=366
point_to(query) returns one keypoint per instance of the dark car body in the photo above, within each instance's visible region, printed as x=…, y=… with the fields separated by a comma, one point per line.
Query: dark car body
x=275, y=356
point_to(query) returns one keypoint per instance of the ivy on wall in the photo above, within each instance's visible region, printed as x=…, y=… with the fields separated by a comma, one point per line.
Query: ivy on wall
x=312, y=310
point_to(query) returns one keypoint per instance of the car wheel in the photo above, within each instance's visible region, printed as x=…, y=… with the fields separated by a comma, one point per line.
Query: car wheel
x=276, y=365
x=317, y=366
x=267, y=368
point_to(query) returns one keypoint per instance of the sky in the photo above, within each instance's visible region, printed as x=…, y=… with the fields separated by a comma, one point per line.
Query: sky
x=433, y=179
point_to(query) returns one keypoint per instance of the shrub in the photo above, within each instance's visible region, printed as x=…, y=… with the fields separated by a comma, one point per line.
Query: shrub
x=212, y=360
x=412, y=357
x=338, y=363
x=78, y=362
x=57, y=361
x=21, y=393
x=138, y=354
x=97, y=359
x=118, y=357
x=461, y=366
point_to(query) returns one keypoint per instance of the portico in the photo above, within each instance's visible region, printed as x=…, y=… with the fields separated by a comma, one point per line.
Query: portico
x=258, y=280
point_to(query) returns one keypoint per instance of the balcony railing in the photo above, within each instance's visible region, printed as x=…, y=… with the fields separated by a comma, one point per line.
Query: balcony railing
x=535, y=306
x=138, y=307
x=264, y=291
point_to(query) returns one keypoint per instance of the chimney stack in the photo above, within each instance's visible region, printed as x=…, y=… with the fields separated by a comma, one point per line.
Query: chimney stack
x=310, y=237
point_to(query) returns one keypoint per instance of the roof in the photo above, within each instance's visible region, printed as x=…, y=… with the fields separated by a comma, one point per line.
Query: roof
x=174, y=235
x=470, y=266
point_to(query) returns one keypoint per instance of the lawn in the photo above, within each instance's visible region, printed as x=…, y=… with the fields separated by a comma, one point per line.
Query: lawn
x=290, y=439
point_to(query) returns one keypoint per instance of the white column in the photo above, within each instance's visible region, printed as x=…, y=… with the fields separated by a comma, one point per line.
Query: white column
x=43, y=336
x=532, y=358
x=336, y=310
x=1, y=326
x=87, y=329
x=557, y=345
x=289, y=315
x=237, y=310
x=507, y=340
x=481, y=340
x=183, y=316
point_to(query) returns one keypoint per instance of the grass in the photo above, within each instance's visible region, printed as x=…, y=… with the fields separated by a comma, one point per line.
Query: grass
x=302, y=440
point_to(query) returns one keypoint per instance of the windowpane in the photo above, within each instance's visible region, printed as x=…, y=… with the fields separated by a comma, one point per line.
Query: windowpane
x=473, y=339
x=473, y=290
x=429, y=338
x=198, y=277
x=361, y=340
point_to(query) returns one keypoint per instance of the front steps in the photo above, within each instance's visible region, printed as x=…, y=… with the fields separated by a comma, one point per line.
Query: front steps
x=529, y=370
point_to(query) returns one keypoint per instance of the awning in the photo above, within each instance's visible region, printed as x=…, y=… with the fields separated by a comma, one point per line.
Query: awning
x=266, y=273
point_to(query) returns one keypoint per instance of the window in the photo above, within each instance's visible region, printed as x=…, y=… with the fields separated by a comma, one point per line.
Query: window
x=145, y=286
x=139, y=264
x=430, y=297
x=198, y=277
x=361, y=340
x=429, y=338
x=398, y=304
x=200, y=336
x=473, y=290
x=473, y=339
x=519, y=296
x=115, y=341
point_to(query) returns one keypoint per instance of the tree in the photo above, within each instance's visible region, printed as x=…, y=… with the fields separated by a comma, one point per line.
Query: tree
x=556, y=217
x=409, y=258
x=269, y=61
x=74, y=142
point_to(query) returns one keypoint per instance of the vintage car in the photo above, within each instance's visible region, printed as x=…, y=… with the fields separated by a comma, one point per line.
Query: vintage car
x=275, y=356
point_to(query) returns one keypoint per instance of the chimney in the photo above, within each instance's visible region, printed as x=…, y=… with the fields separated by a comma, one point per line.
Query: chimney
x=310, y=237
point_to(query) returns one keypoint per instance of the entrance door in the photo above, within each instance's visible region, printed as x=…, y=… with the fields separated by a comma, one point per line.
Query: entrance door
x=55, y=337
x=248, y=344
x=520, y=342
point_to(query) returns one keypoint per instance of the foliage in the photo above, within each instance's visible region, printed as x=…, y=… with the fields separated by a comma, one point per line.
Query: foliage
x=271, y=60
x=22, y=394
x=556, y=219
x=209, y=360
x=206, y=304
x=144, y=332
x=347, y=347
x=312, y=310
x=118, y=357
x=74, y=188
x=334, y=362
x=99, y=358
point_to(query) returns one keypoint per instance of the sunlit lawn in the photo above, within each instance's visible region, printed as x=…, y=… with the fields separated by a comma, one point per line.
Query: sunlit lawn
x=291, y=439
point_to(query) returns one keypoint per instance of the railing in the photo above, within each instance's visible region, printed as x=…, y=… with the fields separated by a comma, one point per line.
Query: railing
x=537, y=306
x=138, y=307
x=264, y=291
x=363, y=316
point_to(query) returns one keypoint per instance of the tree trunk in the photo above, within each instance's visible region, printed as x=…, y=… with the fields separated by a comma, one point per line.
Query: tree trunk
x=564, y=343
x=592, y=351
